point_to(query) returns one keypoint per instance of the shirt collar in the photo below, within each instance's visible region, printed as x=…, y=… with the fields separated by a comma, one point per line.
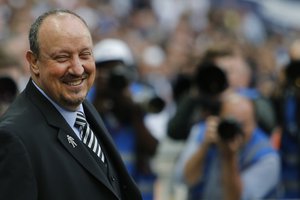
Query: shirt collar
x=69, y=116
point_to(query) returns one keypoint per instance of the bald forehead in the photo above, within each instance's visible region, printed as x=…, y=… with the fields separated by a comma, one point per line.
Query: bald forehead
x=59, y=26
x=61, y=21
x=237, y=103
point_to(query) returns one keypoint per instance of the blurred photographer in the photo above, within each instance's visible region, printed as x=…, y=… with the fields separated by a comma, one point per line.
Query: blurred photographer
x=286, y=99
x=195, y=95
x=200, y=100
x=123, y=117
x=228, y=157
x=8, y=92
x=10, y=73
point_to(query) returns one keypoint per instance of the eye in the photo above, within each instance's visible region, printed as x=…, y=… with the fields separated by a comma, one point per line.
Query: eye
x=85, y=55
x=62, y=58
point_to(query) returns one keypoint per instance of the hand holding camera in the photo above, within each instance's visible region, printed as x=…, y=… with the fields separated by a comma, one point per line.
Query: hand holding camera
x=226, y=132
x=231, y=136
x=211, y=136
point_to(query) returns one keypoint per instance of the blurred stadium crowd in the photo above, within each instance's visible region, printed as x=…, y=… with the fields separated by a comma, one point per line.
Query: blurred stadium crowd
x=167, y=40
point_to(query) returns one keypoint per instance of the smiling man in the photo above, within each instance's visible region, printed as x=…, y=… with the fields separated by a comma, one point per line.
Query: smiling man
x=53, y=144
x=61, y=59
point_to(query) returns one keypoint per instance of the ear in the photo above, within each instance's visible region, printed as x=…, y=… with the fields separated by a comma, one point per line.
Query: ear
x=32, y=60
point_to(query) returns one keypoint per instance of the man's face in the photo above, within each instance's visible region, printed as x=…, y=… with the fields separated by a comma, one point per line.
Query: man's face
x=65, y=69
x=240, y=109
x=237, y=71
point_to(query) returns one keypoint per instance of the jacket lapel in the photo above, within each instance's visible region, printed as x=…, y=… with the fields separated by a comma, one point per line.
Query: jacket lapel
x=100, y=130
x=77, y=149
x=66, y=135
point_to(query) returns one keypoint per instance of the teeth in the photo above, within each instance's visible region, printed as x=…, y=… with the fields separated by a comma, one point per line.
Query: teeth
x=75, y=83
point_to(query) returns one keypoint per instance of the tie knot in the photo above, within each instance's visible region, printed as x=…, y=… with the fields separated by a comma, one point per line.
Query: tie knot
x=80, y=120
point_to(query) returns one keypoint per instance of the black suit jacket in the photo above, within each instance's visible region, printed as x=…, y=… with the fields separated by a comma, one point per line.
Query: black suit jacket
x=38, y=162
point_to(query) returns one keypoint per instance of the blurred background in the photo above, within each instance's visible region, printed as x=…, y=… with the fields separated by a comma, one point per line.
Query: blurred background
x=167, y=40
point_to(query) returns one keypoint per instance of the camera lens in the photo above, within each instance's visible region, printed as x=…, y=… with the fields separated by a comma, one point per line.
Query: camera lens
x=8, y=89
x=210, y=79
x=228, y=128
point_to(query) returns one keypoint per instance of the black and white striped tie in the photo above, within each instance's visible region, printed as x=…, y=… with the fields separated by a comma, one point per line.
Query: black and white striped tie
x=87, y=135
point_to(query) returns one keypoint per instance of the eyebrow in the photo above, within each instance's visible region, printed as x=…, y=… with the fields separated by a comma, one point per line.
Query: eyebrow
x=56, y=52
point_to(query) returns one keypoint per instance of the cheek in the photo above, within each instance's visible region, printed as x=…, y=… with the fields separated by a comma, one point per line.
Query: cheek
x=50, y=78
x=91, y=80
x=234, y=76
x=52, y=70
x=91, y=70
x=247, y=128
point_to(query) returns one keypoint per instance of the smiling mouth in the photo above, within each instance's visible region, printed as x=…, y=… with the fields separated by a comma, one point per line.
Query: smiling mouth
x=75, y=83
x=71, y=80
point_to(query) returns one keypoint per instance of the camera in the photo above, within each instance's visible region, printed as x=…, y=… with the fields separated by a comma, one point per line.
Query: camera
x=210, y=79
x=8, y=89
x=117, y=81
x=229, y=128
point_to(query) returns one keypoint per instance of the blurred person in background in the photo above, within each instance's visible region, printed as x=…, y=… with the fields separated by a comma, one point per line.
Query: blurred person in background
x=190, y=93
x=124, y=117
x=242, y=78
x=286, y=99
x=228, y=156
x=8, y=92
x=239, y=77
x=10, y=75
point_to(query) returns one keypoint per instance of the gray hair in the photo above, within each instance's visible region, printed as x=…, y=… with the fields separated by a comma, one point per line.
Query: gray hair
x=33, y=32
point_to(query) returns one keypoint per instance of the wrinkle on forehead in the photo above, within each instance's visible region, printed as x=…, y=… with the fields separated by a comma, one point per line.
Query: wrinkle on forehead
x=64, y=30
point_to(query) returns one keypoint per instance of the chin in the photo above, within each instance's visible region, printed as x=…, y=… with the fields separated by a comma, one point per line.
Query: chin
x=77, y=101
x=72, y=102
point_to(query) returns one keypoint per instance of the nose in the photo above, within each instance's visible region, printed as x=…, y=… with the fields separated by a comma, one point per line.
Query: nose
x=77, y=66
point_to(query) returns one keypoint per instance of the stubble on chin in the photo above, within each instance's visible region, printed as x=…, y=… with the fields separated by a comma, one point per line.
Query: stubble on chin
x=72, y=103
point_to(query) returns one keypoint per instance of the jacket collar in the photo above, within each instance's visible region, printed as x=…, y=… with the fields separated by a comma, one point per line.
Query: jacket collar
x=66, y=135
